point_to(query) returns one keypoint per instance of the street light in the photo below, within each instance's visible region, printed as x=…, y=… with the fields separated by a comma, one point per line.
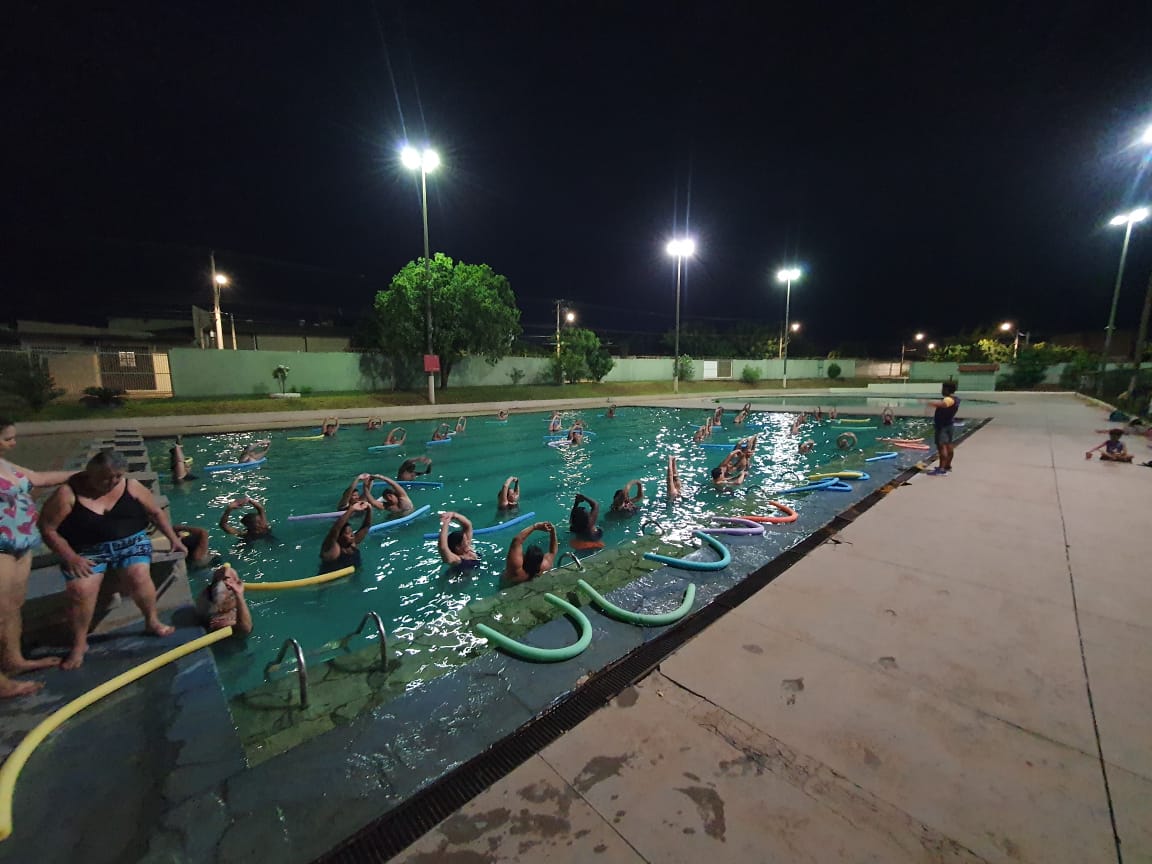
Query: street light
x=919, y=337
x=679, y=249
x=795, y=326
x=569, y=317
x=787, y=275
x=425, y=161
x=1127, y=220
x=1009, y=327
x=1146, y=138
x=219, y=280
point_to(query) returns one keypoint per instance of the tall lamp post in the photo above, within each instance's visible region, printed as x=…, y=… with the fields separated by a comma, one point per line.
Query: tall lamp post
x=219, y=280
x=1009, y=327
x=1127, y=220
x=679, y=249
x=787, y=275
x=426, y=161
x=569, y=317
x=919, y=337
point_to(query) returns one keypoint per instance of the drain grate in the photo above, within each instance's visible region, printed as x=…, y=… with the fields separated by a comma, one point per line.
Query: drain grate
x=407, y=822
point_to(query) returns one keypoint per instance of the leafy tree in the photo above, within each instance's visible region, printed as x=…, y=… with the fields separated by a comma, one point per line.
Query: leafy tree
x=591, y=358
x=834, y=371
x=750, y=375
x=26, y=378
x=473, y=312
x=684, y=367
x=994, y=351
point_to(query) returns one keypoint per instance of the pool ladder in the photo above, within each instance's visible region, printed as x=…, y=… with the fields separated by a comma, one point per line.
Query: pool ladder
x=575, y=560
x=302, y=665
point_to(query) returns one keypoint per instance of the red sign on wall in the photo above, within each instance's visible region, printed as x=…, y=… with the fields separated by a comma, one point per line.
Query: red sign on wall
x=431, y=363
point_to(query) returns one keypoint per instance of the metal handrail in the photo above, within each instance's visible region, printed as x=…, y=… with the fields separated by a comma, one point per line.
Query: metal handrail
x=573, y=556
x=301, y=667
x=370, y=616
x=644, y=525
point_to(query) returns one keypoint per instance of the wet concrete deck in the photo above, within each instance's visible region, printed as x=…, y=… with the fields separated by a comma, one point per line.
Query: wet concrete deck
x=961, y=676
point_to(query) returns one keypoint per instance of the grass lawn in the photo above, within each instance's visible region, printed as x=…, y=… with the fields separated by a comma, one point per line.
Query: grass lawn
x=320, y=402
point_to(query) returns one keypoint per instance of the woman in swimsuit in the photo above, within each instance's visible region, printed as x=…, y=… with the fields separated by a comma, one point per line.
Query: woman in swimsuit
x=341, y=548
x=222, y=603
x=441, y=432
x=623, y=503
x=456, y=546
x=18, y=537
x=509, y=495
x=582, y=524
x=97, y=523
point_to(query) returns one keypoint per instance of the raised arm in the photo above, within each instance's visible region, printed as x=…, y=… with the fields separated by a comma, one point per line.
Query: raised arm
x=226, y=516
x=365, y=524
x=243, y=625
x=347, y=495
x=593, y=511
x=401, y=493
x=553, y=545
x=638, y=493
x=514, y=565
x=330, y=548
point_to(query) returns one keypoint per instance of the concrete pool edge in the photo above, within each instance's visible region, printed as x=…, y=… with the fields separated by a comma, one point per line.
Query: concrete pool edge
x=405, y=823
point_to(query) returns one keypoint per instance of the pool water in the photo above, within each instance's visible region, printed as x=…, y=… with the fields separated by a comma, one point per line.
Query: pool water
x=402, y=578
x=874, y=401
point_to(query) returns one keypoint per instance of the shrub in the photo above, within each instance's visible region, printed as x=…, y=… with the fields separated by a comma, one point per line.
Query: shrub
x=517, y=375
x=305, y=391
x=684, y=368
x=26, y=377
x=600, y=363
x=280, y=373
x=750, y=375
x=1029, y=370
x=103, y=397
x=834, y=371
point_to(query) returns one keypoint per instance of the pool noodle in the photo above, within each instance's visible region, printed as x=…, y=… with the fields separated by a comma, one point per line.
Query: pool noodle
x=435, y=443
x=491, y=529
x=879, y=456
x=385, y=447
x=229, y=466
x=403, y=520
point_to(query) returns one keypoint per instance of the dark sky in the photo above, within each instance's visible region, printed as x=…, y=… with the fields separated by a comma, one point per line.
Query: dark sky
x=932, y=166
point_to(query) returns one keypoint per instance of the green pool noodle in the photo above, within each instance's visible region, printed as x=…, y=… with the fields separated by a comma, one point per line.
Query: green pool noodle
x=725, y=556
x=640, y=618
x=544, y=655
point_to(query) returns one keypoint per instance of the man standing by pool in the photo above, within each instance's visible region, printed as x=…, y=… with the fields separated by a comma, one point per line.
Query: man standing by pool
x=946, y=409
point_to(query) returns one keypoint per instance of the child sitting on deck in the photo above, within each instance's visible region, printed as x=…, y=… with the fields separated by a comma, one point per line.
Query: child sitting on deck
x=1114, y=449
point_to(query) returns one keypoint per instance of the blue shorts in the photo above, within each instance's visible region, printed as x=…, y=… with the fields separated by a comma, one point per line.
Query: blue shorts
x=944, y=435
x=116, y=554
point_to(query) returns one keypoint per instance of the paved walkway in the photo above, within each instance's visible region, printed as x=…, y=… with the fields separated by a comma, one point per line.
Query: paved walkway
x=962, y=675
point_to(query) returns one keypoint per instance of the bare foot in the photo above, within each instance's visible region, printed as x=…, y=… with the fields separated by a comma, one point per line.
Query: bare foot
x=10, y=689
x=159, y=629
x=75, y=658
x=26, y=665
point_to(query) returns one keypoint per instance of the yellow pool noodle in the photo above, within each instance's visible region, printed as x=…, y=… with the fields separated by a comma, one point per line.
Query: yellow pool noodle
x=10, y=771
x=298, y=583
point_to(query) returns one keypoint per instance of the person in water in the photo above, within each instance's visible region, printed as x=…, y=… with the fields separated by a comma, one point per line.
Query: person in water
x=743, y=415
x=408, y=468
x=394, y=499
x=178, y=464
x=624, y=500
x=354, y=493
x=556, y=424
x=524, y=564
x=255, y=523
x=330, y=426
x=461, y=425
x=509, y=495
x=888, y=416
x=456, y=546
x=442, y=432
x=703, y=432
x=341, y=547
x=611, y=413
x=196, y=542
x=502, y=414
x=374, y=423
x=221, y=604
x=255, y=452
x=672, y=478
x=582, y=523
x=396, y=435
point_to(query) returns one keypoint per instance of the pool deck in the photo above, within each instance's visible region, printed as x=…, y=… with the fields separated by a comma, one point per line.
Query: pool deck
x=961, y=675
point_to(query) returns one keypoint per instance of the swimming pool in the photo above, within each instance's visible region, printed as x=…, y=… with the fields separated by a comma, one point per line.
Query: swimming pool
x=402, y=578
x=876, y=401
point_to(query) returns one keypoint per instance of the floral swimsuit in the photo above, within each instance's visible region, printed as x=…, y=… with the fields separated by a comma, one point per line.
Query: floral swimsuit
x=18, y=532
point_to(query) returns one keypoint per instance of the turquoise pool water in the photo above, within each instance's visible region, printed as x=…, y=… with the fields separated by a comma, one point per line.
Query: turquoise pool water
x=402, y=578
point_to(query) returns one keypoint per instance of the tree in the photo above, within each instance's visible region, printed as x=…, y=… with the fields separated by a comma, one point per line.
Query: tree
x=474, y=313
x=586, y=356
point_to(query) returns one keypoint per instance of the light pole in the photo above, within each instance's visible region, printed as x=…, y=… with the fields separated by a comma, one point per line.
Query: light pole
x=1009, y=327
x=919, y=337
x=219, y=280
x=679, y=249
x=569, y=317
x=787, y=276
x=426, y=161
x=1127, y=220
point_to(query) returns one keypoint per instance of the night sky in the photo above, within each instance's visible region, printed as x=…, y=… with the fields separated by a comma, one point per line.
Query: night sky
x=932, y=166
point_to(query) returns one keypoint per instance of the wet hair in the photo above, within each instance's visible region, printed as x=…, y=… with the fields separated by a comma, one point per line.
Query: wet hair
x=455, y=541
x=578, y=520
x=618, y=497
x=717, y=472
x=249, y=520
x=949, y=388
x=533, y=560
x=107, y=460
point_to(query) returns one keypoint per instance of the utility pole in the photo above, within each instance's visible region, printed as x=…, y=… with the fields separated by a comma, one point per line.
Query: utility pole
x=1141, y=338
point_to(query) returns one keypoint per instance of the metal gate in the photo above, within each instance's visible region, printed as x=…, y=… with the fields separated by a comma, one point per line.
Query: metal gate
x=139, y=372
